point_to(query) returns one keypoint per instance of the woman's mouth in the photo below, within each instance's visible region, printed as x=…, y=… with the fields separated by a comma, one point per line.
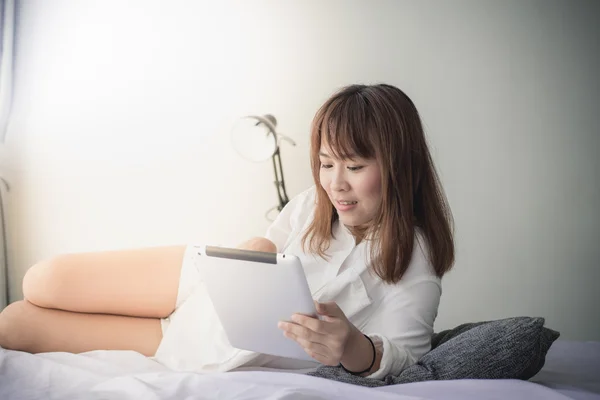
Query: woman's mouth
x=345, y=205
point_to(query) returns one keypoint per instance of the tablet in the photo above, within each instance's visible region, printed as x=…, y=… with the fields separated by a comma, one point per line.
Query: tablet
x=251, y=292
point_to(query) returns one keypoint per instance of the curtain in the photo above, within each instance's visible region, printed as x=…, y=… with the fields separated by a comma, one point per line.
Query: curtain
x=4, y=281
x=7, y=28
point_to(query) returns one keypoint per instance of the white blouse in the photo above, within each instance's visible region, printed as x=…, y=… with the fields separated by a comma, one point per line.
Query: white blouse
x=398, y=317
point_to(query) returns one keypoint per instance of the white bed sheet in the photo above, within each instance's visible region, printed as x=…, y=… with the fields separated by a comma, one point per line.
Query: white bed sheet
x=129, y=375
x=572, y=368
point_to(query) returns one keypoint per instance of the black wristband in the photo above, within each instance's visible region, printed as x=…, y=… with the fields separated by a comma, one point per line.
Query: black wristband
x=372, y=362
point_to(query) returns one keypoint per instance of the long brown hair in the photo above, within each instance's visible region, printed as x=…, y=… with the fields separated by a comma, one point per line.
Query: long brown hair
x=381, y=122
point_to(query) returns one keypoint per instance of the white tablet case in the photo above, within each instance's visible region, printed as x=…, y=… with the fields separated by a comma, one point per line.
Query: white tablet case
x=251, y=292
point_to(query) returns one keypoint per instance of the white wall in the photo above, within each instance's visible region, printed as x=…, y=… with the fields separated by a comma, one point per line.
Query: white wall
x=119, y=136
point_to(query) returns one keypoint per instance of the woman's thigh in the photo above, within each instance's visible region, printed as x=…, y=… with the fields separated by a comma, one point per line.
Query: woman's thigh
x=140, y=283
x=26, y=327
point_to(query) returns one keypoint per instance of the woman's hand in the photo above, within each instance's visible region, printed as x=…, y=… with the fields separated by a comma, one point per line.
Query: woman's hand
x=325, y=339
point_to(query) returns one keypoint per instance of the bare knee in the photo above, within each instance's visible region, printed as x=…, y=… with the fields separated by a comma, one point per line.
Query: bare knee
x=42, y=282
x=259, y=244
x=263, y=244
x=14, y=334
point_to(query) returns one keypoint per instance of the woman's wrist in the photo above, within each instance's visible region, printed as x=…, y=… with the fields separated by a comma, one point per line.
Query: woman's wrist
x=359, y=353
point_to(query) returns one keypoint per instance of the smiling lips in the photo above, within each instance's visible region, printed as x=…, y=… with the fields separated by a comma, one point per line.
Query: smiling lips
x=345, y=205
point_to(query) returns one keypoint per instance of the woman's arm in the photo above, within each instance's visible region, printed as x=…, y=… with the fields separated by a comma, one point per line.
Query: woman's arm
x=401, y=330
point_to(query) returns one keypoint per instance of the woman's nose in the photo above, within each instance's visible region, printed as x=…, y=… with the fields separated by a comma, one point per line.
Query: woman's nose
x=338, y=181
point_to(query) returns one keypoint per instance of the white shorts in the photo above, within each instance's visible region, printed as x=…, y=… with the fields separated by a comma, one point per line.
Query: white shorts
x=189, y=280
x=193, y=337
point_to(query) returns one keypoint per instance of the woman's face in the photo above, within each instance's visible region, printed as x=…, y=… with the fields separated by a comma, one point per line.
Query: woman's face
x=353, y=186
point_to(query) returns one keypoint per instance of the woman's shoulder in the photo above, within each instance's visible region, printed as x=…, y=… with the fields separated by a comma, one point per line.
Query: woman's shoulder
x=307, y=196
x=294, y=215
x=301, y=206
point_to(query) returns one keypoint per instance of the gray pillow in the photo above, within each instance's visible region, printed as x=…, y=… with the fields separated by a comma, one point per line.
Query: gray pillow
x=511, y=348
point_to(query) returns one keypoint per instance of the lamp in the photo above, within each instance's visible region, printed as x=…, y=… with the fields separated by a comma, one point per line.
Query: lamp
x=256, y=139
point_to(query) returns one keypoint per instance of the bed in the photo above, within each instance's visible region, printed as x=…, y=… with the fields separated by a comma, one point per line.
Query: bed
x=571, y=371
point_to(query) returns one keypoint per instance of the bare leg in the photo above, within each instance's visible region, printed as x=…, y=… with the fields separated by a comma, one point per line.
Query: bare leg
x=68, y=299
x=36, y=330
x=139, y=283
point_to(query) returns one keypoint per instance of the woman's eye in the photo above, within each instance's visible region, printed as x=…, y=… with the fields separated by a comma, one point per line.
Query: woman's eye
x=355, y=168
x=325, y=166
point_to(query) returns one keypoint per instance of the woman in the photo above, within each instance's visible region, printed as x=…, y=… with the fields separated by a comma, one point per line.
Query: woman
x=374, y=236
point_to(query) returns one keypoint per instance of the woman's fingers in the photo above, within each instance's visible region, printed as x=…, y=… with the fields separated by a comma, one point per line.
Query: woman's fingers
x=316, y=350
x=302, y=332
x=311, y=323
x=325, y=348
x=323, y=339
